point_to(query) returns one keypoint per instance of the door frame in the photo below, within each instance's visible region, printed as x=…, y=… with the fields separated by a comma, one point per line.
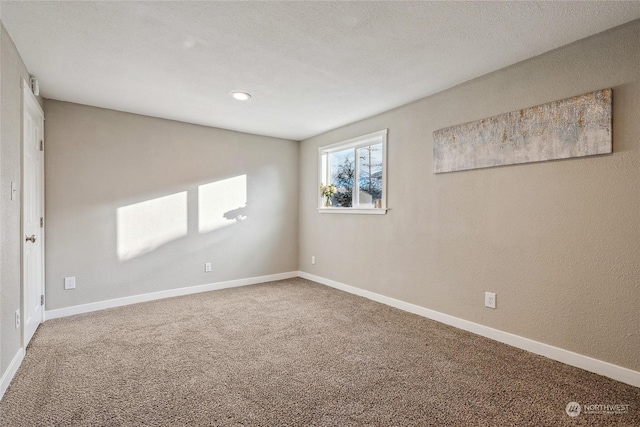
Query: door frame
x=29, y=101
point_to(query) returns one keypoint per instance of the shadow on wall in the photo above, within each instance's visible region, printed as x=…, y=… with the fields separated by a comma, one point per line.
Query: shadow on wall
x=145, y=226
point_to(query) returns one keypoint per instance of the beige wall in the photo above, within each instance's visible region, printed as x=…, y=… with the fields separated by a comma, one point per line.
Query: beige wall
x=559, y=241
x=12, y=72
x=100, y=162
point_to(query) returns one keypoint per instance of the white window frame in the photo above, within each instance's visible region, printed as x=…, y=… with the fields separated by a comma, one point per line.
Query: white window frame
x=379, y=137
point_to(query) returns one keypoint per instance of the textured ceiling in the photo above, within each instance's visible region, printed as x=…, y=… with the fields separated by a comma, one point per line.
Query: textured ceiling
x=310, y=66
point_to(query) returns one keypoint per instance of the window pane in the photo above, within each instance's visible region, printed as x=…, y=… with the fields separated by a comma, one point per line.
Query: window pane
x=370, y=174
x=343, y=176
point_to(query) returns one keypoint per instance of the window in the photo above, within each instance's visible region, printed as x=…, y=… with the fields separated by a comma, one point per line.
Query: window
x=353, y=175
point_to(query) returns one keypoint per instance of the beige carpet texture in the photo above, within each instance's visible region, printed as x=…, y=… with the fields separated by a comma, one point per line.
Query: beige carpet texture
x=292, y=353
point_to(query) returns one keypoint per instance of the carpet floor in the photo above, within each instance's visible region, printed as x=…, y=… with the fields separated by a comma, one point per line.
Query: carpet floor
x=291, y=353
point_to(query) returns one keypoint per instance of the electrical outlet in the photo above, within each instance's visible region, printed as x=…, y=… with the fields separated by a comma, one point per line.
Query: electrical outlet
x=70, y=282
x=17, y=318
x=207, y=267
x=313, y=260
x=490, y=299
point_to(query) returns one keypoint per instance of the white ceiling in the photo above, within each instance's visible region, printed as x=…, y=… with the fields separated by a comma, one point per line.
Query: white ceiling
x=310, y=66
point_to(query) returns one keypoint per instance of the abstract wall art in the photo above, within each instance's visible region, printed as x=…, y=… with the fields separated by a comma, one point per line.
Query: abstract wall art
x=573, y=127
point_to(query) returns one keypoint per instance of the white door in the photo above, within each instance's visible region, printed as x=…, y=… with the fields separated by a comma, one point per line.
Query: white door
x=32, y=215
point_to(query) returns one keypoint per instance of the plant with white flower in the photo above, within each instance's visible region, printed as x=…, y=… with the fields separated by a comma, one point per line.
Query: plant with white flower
x=327, y=191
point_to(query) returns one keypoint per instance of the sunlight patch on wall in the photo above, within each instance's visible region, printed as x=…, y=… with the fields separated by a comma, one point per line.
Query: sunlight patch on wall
x=221, y=203
x=145, y=226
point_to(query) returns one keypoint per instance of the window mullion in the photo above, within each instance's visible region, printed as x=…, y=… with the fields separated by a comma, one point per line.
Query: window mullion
x=327, y=169
x=356, y=179
x=324, y=173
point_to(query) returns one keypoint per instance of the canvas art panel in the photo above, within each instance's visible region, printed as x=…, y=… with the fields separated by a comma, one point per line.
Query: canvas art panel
x=572, y=127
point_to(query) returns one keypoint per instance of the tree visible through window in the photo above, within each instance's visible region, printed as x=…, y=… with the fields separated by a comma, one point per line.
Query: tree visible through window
x=357, y=169
x=342, y=173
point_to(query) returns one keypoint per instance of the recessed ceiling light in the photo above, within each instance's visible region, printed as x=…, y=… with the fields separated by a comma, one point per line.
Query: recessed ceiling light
x=240, y=96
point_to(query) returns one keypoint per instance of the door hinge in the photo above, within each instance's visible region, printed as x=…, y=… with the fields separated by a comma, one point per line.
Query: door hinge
x=41, y=299
x=41, y=145
x=41, y=222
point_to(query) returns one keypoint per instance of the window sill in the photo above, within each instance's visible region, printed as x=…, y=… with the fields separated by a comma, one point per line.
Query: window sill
x=372, y=211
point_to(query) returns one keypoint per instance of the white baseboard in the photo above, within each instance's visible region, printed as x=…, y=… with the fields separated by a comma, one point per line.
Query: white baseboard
x=587, y=363
x=8, y=375
x=134, y=299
